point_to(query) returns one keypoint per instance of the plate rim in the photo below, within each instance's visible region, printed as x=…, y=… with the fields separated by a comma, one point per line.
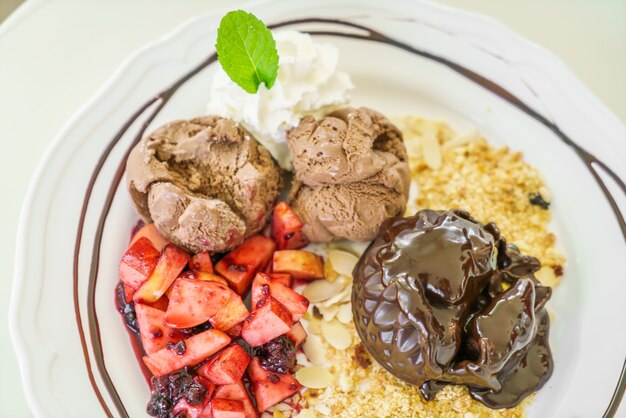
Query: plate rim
x=17, y=291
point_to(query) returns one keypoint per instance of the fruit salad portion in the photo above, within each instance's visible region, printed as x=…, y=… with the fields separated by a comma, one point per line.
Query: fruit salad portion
x=218, y=333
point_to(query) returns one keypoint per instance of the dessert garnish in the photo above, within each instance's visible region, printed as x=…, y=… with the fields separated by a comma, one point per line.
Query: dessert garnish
x=351, y=174
x=206, y=183
x=439, y=298
x=247, y=51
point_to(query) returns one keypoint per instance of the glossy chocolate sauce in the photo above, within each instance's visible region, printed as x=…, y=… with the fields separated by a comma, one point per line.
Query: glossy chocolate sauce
x=439, y=298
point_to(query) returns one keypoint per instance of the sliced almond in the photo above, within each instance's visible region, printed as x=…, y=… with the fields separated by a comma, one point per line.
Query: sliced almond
x=302, y=360
x=321, y=290
x=462, y=139
x=322, y=409
x=343, y=262
x=431, y=148
x=336, y=334
x=346, y=292
x=306, y=413
x=314, y=350
x=344, y=315
x=314, y=377
x=329, y=312
x=280, y=407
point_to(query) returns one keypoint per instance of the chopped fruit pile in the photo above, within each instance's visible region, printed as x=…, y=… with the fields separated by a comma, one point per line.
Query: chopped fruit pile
x=210, y=355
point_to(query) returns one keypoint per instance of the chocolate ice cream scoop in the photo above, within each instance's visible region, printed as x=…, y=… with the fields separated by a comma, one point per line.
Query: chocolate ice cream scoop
x=206, y=183
x=351, y=173
x=430, y=306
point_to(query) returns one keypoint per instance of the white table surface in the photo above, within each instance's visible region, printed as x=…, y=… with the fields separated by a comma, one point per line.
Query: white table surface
x=54, y=54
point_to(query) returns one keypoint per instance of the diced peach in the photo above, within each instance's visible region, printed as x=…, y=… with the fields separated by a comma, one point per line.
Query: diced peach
x=154, y=333
x=237, y=391
x=138, y=263
x=269, y=387
x=172, y=261
x=233, y=313
x=227, y=408
x=287, y=228
x=197, y=348
x=193, y=302
x=268, y=321
x=283, y=278
x=202, y=262
x=302, y=265
x=150, y=231
x=240, y=265
x=200, y=275
x=297, y=335
x=227, y=366
x=294, y=302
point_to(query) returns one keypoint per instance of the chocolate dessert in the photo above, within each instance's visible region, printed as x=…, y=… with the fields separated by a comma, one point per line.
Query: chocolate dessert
x=351, y=173
x=439, y=298
x=206, y=183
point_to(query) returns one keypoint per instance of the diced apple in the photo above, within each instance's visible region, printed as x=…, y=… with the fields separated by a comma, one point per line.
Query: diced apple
x=138, y=263
x=227, y=366
x=235, y=331
x=302, y=265
x=233, y=313
x=268, y=321
x=202, y=262
x=294, y=302
x=200, y=275
x=150, y=231
x=287, y=228
x=193, y=302
x=227, y=408
x=128, y=293
x=154, y=333
x=237, y=391
x=191, y=411
x=161, y=303
x=283, y=278
x=172, y=261
x=240, y=265
x=297, y=335
x=269, y=387
x=197, y=348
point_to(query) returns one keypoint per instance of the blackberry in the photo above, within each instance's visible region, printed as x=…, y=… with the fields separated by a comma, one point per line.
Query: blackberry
x=168, y=390
x=126, y=309
x=277, y=355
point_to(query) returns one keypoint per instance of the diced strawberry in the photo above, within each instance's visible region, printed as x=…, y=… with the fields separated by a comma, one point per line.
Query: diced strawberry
x=237, y=391
x=287, y=228
x=138, y=263
x=149, y=231
x=193, y=302
x=297, y=335
x=202, y=262
x=302, y=265
x=268, y=321
x=283, y=278
x=240, y=265
x=269, y=387
x=233, y=313
x=172, y=261
x=197, y=348
x=263, y=285
x=227, y=366
x=227, y=408
x=128, y=293
x=154, y=333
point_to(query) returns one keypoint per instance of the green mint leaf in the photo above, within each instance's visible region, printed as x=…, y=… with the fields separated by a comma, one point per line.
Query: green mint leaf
x=247, y=51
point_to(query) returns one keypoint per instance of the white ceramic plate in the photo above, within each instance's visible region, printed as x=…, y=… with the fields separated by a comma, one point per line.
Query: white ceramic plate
x=420, y=58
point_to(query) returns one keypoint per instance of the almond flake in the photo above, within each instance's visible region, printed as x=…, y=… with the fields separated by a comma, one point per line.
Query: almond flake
x=345, y=293
x=342, y=262
x=431, y=149
x=344, y=315
x=336, y=334
x=306, y=413
x=321, y=290
x=314, y=350
x=314, y=377
x=329, y=312
x=302, y=360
